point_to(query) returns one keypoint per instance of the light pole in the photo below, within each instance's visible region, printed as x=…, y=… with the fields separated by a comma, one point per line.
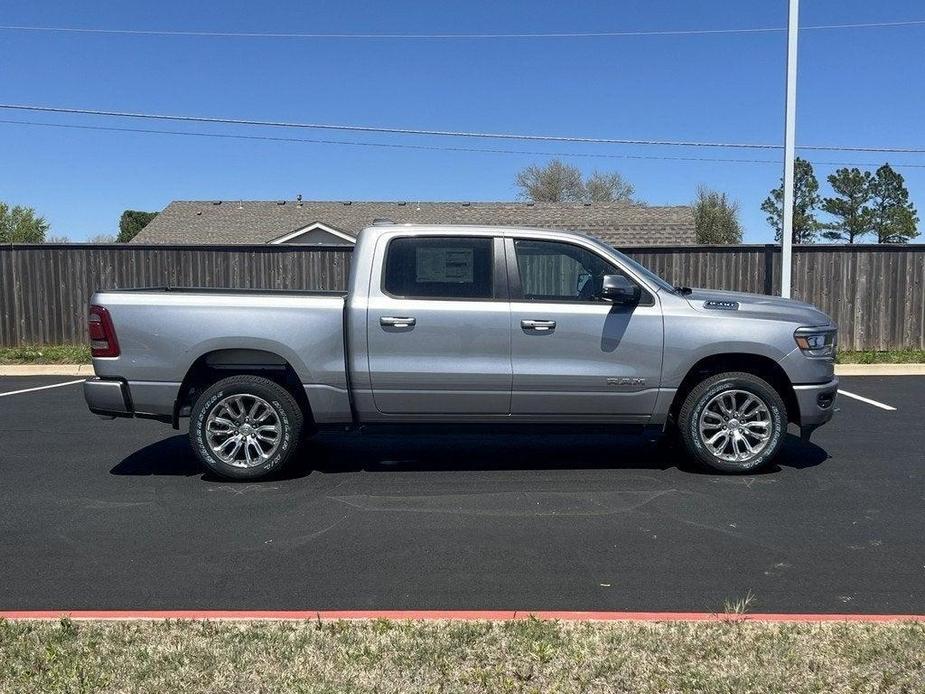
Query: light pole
x=790, y=126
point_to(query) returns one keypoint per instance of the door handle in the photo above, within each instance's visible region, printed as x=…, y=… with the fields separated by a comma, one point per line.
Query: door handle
x=396, y=322
x=538, y=325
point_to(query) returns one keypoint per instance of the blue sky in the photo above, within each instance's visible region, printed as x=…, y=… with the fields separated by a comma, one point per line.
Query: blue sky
x=857, y=87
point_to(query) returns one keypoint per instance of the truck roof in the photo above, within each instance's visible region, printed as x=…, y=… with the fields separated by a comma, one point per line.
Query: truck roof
x=385, y=226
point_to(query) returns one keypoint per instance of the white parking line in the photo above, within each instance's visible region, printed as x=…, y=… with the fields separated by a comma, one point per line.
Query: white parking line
x=882, y=406
x=53, y=385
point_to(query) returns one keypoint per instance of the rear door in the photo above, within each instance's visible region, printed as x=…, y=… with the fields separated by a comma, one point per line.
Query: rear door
x=438, y=327
x=572, y=352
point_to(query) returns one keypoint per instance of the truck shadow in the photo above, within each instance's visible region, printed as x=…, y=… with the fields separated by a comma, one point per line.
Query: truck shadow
x=383, y=453
x=332, y=453
x=170, y=456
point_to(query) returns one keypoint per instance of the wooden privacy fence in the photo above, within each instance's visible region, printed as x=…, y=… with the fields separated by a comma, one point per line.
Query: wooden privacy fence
x=44, y=289
x=876, y=294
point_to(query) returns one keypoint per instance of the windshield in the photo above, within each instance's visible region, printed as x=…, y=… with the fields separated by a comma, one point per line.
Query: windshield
x=636, y=267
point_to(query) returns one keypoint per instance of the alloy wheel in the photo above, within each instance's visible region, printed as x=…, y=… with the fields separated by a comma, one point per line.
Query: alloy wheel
x=735, y=426
x=243, y=430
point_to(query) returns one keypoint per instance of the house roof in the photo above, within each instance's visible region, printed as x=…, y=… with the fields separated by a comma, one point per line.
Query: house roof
x=229, y=222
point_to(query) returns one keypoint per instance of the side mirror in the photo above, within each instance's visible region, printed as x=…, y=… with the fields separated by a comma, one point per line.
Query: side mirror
x=620, y=290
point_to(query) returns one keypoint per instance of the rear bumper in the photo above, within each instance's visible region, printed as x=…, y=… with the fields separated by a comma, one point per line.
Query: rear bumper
x=108, y=397
x=115, y=397
x=817, y=405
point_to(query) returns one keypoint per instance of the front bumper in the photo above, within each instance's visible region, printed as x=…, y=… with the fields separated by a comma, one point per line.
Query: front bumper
x=108, y=397
x=817, y=405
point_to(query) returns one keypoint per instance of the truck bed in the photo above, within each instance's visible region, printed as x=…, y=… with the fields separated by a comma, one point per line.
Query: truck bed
x=230, y=290
x=163, y=331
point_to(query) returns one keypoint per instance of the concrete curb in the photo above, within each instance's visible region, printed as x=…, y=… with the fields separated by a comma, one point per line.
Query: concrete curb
x=46, y=370
x=451, y=615
x=87, y=370
x=880, y=369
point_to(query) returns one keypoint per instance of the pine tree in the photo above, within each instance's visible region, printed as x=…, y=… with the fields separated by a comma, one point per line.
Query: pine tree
x=805, y=201
x=850, y=205
x=894, y=218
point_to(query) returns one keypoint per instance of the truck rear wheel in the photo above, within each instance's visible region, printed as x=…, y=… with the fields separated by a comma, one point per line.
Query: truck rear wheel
x=733, y=422
x=245, y=427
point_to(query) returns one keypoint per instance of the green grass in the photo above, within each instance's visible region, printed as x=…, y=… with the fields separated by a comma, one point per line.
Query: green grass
x=45, y=354
x=903, y=356
x=405, y=656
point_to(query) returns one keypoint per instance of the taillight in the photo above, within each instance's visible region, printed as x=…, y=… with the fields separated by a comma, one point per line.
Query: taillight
x=103, y=342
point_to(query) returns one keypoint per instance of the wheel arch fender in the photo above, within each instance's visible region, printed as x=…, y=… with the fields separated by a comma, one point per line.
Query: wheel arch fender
x=757, y=364
x=211, y=365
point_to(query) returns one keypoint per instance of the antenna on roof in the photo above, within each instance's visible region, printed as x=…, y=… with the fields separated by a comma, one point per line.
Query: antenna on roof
x=298, y=199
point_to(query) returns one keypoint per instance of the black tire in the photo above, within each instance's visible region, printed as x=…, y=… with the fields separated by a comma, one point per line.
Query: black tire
x=704, y=393
x=285, y=415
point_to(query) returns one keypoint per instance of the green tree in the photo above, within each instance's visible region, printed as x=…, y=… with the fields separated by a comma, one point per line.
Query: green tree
x=20, y=224
x=716, y=218
x=554, y=182
x=849, y=206
x=131, y=222
x=557, y=181
x=608, y=187
x=805, y=201
x=894, y=218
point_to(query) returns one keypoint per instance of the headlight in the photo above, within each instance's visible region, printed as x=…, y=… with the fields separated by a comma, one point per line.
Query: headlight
x=811, y=341
x=816, y=341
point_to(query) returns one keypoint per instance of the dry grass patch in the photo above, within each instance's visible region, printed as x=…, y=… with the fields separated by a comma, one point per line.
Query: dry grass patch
x=46, y=354
x=405, y=656
x=896, y=356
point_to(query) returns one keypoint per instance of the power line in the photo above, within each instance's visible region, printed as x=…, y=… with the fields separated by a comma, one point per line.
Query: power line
x=450, y=133
x=388, y=145
x=436, y=148
x=373, y=129
x=443, y=36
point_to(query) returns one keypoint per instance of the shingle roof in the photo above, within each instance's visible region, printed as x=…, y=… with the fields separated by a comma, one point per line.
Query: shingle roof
x=232, y=222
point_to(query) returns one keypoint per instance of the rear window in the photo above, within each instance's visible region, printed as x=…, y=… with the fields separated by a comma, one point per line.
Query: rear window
x=439, y=268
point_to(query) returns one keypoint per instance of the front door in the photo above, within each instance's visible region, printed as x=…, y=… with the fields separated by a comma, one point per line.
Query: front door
x=572, y=352
x=438, y=328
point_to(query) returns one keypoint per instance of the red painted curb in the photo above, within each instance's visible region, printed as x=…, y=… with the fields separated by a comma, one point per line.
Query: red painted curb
x=457, y=615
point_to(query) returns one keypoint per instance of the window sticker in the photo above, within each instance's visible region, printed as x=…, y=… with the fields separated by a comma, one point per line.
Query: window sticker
x=445, y=265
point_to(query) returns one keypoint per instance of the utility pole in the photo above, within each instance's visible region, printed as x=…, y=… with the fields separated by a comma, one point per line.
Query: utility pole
x=790, y=126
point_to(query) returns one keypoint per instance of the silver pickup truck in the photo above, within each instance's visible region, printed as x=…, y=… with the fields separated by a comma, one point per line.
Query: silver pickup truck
x=466, y=325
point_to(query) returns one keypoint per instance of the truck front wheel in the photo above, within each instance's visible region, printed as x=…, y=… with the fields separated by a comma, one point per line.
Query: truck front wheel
x=245, y=427
x=733, y=422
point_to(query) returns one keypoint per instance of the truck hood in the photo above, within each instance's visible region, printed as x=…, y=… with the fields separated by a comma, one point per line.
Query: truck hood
x=756, y=306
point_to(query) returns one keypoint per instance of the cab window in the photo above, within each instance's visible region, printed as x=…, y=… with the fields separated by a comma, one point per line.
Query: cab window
x=439, y=268
x=555, y=271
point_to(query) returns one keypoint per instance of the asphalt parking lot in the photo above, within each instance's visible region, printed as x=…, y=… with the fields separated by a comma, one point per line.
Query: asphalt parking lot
x=117, y=514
